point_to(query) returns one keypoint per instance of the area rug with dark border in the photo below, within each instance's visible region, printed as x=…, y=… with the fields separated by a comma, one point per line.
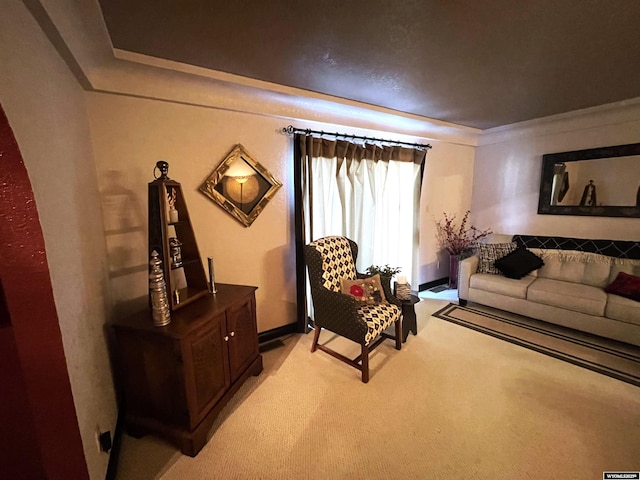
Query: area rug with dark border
x=615, y=359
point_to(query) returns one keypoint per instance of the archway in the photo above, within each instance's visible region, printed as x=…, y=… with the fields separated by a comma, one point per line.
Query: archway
x=40, y=436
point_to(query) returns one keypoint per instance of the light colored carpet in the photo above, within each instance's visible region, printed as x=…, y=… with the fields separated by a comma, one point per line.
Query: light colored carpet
x=452, y=404
x=609, y=357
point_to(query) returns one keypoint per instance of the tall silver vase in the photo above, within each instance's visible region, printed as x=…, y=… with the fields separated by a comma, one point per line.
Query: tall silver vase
x=158, y=290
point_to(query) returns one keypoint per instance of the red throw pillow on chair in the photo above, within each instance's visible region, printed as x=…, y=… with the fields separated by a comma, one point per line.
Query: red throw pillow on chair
x=367, y=290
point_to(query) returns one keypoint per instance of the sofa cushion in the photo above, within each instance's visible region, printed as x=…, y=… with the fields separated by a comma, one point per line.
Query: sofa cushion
x=572, y=296
x=518, y=263
x=623, y=309
x=632, y=267
x=490, y=252
x=625, y=285
x=576, y=267
x=596, y=274
x=501, y=285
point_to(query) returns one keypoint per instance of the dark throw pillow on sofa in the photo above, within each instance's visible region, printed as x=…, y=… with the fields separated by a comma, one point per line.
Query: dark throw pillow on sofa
x=625, y=285
x=519, y=263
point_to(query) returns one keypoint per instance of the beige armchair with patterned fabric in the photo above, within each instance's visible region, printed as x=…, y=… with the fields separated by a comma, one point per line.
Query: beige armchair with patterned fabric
x=331, y=261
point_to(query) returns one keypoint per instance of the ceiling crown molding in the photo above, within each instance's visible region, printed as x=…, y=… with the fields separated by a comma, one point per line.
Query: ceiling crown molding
x=82, y=40
x=611, y=114
x=263, y=98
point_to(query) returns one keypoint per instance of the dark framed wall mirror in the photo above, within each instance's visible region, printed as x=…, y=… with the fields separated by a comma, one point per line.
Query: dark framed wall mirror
x=600, y=182
x=241, y=186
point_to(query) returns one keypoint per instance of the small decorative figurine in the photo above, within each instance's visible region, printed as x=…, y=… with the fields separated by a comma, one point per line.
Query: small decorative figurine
x=164, y=170
x=175, y=252
x=171, y=200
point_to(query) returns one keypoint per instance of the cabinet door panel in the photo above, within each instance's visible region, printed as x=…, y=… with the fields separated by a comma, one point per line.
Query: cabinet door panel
x=243, y=341
x=153, y=377
x=207, y=368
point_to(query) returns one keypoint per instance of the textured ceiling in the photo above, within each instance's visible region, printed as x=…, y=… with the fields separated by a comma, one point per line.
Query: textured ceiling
x=476, y=63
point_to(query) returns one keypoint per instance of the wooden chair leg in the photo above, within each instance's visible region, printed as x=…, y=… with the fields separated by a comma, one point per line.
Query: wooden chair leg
x=398, y=334
x=365, y=364
x=316, y=335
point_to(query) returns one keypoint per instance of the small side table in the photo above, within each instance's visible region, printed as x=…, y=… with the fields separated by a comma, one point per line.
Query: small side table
x=409, y=323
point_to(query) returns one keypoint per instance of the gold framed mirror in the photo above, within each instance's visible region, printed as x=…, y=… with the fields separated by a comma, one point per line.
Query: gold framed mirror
x=241, y=186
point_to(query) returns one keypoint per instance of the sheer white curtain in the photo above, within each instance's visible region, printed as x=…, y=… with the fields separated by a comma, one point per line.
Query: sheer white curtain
x=369, y=193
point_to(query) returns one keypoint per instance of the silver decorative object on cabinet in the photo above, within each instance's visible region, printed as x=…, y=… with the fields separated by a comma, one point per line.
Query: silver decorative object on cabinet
x=158, y=290
x=175, y=252
x=212, y=281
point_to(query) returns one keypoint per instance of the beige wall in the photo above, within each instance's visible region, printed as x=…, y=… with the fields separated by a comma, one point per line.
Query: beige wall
x=447, y=189
x=46, y=110
x=130, y=135
x=508, y=165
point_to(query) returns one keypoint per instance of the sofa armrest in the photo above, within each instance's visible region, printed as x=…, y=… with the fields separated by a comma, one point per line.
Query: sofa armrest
x=468, y=267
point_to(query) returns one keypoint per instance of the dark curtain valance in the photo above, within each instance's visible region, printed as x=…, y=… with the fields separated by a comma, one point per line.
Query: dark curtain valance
x=329, y=148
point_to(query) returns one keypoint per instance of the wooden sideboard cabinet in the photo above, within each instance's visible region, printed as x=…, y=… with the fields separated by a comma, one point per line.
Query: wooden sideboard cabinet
x=176, y=379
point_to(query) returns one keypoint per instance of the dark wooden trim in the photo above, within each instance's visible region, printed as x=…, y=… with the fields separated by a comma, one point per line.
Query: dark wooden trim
x=277, y=332
x=114, y=455
x=434, y=283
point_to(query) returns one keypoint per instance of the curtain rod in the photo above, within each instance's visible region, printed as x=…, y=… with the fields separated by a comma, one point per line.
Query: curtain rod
x=291, y=130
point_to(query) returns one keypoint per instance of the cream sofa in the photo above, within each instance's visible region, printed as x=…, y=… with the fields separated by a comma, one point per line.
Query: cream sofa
x=568, y=290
